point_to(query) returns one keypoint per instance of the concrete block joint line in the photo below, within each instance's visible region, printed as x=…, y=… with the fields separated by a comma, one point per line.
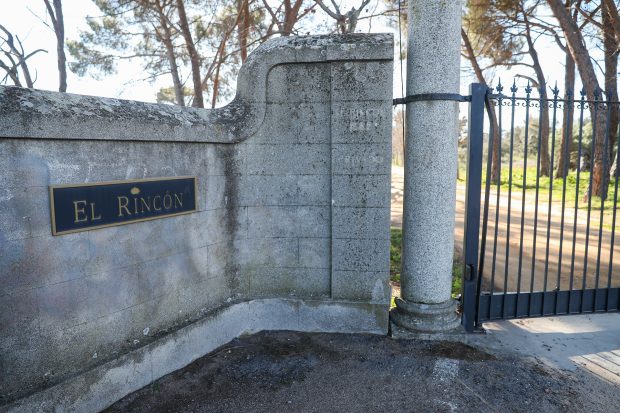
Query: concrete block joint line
x=291, y=228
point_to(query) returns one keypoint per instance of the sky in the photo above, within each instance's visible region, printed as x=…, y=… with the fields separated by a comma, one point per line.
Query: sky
x=24, y=19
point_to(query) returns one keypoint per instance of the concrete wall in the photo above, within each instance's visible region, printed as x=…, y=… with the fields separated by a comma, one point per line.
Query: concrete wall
x=294, y=196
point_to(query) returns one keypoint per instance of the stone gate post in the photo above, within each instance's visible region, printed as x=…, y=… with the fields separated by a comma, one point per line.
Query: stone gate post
x=433, y=66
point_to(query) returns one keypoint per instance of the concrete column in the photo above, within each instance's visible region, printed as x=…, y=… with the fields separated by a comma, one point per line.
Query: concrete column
x=433, y=66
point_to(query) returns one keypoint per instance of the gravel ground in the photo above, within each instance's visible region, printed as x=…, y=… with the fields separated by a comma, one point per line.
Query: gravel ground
x=302, y=372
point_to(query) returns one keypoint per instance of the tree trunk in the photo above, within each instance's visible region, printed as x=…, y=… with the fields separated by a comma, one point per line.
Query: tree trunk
x=165, y=36
x=59, y=29
x=12, y=73
x=567, y=119
x=563, y=163
x=291, y=16
x=217, y=63
x=353, y=16
x=60, y=37
x=612, y=11
x=578, y=50
x=25, y=70
x=216, y=85
x=193, y=55
x=610, y=47
x=243, y=28
x=544, y=113
x=495, y=158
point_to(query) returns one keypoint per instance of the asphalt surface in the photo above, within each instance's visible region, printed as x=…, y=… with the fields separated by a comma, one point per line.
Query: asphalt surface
x=301, y=372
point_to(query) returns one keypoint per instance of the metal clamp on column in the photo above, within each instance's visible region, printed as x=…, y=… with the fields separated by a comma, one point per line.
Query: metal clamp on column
x=422, y=97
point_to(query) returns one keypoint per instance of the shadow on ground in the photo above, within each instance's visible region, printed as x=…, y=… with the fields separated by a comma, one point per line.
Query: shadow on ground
x=590, y=342
x=302, y=372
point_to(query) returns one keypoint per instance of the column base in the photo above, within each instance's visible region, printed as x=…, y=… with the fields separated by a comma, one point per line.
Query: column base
x=425, y=321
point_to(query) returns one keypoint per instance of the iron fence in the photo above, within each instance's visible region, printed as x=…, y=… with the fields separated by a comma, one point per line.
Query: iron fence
x=541, y=204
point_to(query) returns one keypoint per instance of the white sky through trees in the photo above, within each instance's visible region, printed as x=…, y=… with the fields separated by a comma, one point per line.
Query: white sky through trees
x=23, y=18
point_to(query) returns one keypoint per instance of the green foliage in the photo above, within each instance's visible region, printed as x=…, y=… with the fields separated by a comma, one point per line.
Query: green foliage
x=489, y=31
x=457, y=277
x=166, y=95
x=396, y=242
x=125, y=30
x=87, y=59
x=544, y=183
x=518, y=137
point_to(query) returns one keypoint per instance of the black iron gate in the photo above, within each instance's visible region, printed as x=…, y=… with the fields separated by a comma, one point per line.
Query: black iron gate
x=540, y=240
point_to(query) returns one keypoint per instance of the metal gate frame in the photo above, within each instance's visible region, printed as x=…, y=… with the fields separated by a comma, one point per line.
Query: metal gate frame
x=477, y=306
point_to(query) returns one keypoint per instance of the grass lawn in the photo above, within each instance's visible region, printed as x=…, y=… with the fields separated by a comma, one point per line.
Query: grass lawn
x=544, y=186
x=396, y=263
x=557, y=187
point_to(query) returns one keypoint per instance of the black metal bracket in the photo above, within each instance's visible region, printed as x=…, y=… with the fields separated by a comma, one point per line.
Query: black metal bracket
x=471, y=251
x=423, y=97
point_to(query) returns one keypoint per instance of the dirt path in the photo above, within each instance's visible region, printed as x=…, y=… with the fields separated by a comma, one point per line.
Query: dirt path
x=533, y=259
x=303, y=372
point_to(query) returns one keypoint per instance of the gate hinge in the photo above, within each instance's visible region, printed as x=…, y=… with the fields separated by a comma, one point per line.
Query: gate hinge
x=468, y=273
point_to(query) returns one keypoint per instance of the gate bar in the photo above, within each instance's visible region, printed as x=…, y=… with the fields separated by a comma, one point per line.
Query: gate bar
x=478, y=94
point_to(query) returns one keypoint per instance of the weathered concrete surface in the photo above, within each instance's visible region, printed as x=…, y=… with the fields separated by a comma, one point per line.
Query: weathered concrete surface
x=588, y=342
x=293, y=203
x=297, y=372
x=103, y=385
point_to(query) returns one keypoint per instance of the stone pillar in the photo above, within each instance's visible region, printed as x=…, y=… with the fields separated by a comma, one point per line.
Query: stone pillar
x=433, y=66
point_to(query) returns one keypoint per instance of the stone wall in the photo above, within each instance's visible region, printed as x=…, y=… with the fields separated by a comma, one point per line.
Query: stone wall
x=292, y=228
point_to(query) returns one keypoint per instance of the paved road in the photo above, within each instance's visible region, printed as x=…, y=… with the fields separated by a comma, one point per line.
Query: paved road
x=509, y=275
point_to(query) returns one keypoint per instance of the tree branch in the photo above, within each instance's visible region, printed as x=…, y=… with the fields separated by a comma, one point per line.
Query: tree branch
x=328, y=10
x=590, y=16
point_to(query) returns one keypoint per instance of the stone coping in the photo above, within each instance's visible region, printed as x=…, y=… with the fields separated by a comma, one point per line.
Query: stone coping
x=38, y=114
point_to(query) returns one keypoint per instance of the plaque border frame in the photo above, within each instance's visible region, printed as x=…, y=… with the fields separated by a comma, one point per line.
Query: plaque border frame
x=120, y=181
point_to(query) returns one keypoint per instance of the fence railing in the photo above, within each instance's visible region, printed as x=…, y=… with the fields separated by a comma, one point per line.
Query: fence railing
x=541, y=220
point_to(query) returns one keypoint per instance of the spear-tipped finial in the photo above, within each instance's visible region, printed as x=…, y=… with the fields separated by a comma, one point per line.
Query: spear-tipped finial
x=583, y=92
x=499, y=87
x=555, y=90
x=528, y=88
x=514, y=88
